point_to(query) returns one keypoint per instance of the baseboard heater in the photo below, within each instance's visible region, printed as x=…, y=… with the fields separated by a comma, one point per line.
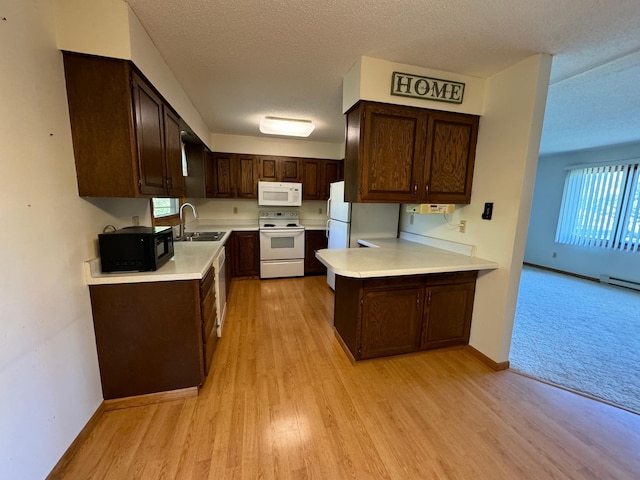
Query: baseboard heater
x=621, y=282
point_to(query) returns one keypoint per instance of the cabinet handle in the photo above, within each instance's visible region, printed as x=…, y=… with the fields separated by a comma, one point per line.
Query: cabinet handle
x=426, y=188
x=415, y=188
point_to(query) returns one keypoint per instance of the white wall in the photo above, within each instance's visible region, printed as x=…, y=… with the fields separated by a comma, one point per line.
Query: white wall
x=147, y=58
x=49, y=378
x=109, y=28
x=222, y=209
x=370, y=79
x=506, y=156
x=276, y=146
x=547, y=197
x=97, y=27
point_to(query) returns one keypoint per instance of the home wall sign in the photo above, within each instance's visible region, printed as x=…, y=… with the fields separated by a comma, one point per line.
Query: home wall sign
x=427, y=88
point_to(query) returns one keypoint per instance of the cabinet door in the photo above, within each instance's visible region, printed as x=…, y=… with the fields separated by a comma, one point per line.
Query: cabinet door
x=210, y=176
x=246, y=177
x=392, y=153
x=195, y=183
x=246, y=254
x=391, y=321
x=314, y=240
x=311, y=179
x=279, y=169
x=173, y=154
x=332, y=172
x=222, y=175
x=450, y=158
x=268, y=169
x=150, y=137
x=447, y=316
x=289, y=169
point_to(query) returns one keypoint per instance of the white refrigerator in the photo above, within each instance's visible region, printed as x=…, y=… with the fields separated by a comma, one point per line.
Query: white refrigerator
x=350, y=221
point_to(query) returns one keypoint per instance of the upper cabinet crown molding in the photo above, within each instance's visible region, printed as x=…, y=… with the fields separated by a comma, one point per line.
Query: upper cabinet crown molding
x=126, y=137
x=400, y=154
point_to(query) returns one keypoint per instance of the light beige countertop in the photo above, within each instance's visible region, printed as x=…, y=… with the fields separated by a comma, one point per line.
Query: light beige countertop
x=395, y=257
x=314, y=224
x=191, y=261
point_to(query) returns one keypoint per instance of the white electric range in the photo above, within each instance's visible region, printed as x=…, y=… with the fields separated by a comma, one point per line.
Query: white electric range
x=281, y=244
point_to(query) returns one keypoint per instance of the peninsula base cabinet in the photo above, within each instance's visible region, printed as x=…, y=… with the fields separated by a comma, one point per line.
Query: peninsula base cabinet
x=378, y=317
x=154, y=337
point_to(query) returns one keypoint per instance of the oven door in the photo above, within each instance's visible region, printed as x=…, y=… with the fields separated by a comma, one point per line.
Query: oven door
x=281, y=244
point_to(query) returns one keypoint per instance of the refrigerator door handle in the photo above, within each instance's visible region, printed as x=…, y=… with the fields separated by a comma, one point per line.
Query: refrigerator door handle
x=329, y=207
x=326, y=232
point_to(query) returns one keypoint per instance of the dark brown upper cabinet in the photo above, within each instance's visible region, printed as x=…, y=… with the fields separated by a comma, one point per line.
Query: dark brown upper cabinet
x=279, y=169
x=246, y=176
x=126, y=137
x=333, y=172
x=317, y=175
x=232, y=175
x=399, y=154
x=450, y=158
x=311, y=182
x=195, y=182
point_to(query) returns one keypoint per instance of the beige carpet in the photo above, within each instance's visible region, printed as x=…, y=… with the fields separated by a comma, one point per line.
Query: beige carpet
x=579, y=334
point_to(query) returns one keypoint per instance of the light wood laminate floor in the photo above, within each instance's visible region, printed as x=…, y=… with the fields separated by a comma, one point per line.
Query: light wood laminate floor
x=283, y=402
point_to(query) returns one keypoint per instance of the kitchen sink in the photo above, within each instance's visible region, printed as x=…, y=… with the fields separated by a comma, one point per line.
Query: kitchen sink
x=201, y=237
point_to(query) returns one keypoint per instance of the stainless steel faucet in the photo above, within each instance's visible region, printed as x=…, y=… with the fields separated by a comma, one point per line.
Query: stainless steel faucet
x=195, y=215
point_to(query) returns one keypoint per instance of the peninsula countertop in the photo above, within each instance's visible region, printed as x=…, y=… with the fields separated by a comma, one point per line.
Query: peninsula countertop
x=395, y=257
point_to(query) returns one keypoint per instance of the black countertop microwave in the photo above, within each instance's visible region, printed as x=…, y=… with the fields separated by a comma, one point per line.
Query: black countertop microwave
x=135, y=249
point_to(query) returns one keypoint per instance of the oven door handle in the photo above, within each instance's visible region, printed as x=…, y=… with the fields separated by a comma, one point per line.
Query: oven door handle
x=282, y=234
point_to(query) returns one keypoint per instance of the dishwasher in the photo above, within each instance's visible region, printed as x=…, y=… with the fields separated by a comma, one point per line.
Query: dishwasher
x=221, y=289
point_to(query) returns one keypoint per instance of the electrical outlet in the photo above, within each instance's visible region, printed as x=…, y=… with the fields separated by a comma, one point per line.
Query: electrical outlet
x=554, y=255
x=135, y=220
x=235, y=209
x=463, y=226
x=320, y=210
x=411, y=219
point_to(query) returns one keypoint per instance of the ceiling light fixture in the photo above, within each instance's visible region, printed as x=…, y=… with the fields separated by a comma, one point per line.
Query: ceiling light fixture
x=286, y=126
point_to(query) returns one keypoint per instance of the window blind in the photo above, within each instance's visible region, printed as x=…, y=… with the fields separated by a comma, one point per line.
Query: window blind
x=600, y=207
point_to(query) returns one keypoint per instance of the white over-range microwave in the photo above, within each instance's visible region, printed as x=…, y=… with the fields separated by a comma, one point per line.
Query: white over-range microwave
x=284, y=194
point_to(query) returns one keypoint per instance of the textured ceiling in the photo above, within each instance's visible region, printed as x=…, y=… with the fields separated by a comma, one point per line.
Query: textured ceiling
x=239, y=60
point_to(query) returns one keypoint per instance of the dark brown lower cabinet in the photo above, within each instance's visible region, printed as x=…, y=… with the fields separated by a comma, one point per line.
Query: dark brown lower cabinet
x=208, y=314
x=392, y=319
x=377, y=317
x=453, y=302
x=246, y=254
x=153, y=337
x=314, y=240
